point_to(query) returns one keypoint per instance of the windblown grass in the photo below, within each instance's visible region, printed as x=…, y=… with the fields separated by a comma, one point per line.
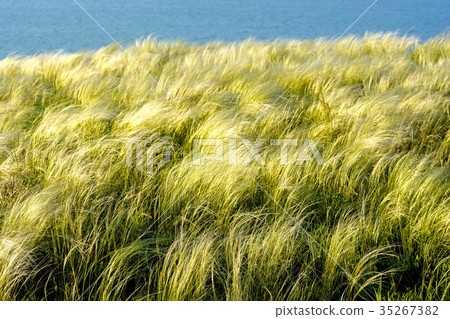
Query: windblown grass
x=77, y=223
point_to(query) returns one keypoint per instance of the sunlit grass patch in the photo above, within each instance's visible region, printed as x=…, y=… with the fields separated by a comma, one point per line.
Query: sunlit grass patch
x=371, y=220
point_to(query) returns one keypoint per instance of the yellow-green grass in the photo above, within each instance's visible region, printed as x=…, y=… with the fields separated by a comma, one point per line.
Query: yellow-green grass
x=77, y=222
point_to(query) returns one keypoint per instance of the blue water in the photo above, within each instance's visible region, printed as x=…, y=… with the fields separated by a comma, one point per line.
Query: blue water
x=37, y=26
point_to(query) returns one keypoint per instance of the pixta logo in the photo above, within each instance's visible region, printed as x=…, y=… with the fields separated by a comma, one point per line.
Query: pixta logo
x=290, y=151
x=148, y=154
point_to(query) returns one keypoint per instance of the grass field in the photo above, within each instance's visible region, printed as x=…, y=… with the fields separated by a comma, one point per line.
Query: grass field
x=78, y=222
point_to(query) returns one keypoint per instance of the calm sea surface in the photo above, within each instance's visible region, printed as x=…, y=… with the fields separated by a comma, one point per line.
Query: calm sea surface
x=37, y=26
